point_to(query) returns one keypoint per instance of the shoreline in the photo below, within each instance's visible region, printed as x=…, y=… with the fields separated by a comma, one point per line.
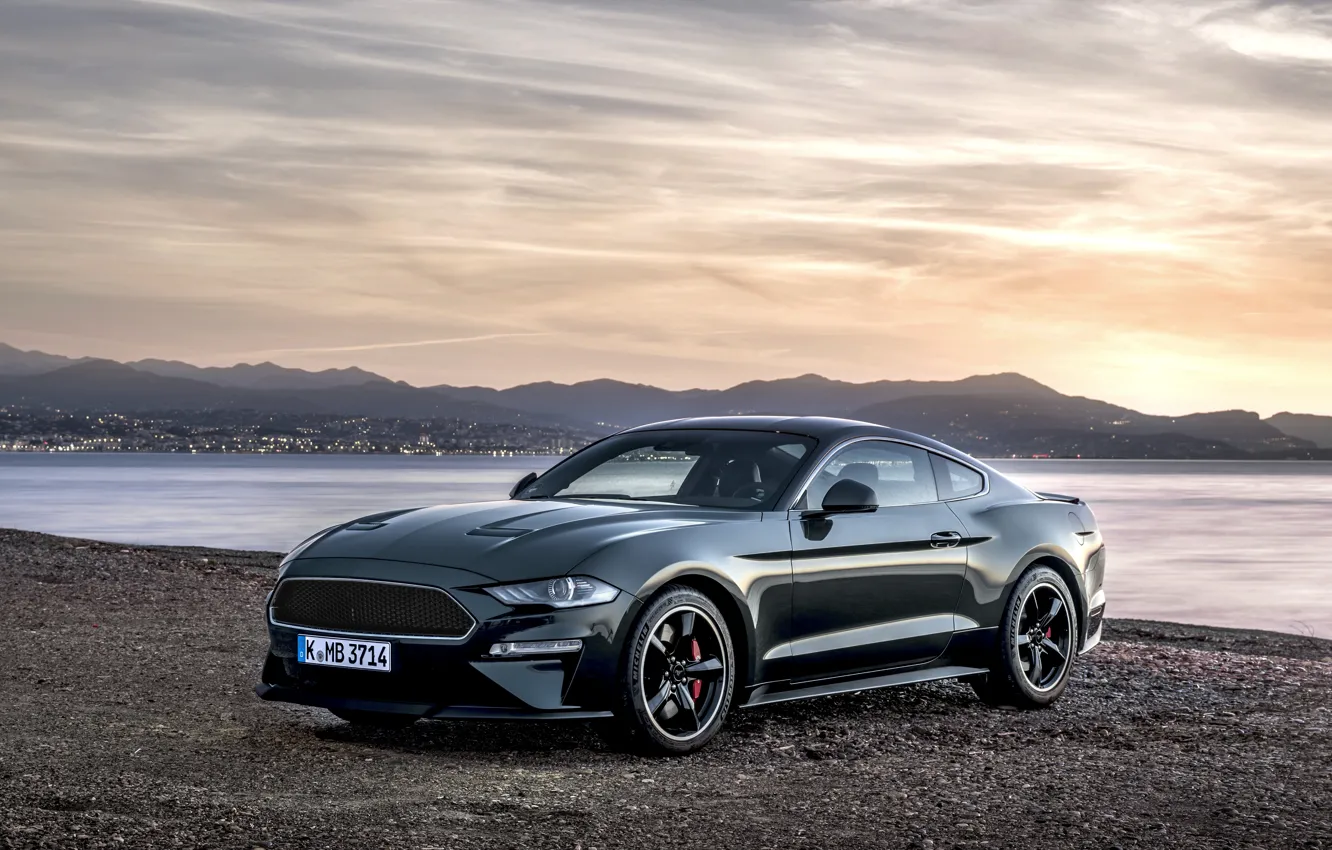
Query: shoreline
x=523, y=454
x=130, y=721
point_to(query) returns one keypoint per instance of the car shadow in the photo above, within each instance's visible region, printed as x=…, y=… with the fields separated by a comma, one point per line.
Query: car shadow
x=481, y=737
x=745, y=727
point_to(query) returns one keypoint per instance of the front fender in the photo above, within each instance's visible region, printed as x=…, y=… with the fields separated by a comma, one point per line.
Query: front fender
x=754, y=593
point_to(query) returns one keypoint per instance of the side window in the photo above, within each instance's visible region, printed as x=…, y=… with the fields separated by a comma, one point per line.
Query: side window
x=955, y=480
x=900, y=475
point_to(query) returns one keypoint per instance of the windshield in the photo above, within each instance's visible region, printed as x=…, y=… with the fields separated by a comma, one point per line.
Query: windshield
x=719, y=469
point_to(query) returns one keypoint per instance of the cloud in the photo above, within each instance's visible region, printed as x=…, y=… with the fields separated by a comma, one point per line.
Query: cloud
x=736, y=282
x=382, y=346
x=1284, y=33
x=835, y=185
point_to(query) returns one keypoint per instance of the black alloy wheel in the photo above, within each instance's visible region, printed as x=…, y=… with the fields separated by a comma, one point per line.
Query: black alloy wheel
x=1038, y=643
x=679, y=675
x=1044, y=637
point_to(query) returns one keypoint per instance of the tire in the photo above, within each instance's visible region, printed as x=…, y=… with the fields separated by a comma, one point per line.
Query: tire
x=677, y=678
x=375, y=719
x=1040, y=606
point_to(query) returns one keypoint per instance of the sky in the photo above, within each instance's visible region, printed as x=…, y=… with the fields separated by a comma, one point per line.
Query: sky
x=1125, y=200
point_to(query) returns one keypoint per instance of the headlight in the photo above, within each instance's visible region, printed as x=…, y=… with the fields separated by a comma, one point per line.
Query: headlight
x=562, y=592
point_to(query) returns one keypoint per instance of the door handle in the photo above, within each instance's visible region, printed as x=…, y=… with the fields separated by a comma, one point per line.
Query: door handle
x=945, y=540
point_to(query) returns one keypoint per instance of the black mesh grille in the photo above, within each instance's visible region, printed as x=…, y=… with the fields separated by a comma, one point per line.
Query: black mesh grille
x=372, y=607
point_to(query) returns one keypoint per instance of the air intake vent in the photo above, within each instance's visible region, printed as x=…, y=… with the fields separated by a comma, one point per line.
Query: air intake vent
x=369, y=607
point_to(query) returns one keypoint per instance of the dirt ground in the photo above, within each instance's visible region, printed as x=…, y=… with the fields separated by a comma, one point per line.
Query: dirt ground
x=127, y=720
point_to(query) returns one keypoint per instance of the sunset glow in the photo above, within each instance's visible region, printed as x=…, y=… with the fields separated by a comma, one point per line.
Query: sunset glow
x=1127, y=200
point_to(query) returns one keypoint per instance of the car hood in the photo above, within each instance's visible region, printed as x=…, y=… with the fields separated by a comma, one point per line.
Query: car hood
x=510, y=540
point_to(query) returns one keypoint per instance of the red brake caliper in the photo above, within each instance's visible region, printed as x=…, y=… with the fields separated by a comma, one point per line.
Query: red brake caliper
x=696, y=687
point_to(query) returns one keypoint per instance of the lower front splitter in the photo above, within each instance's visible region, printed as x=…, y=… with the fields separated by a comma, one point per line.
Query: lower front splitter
x=278, y=693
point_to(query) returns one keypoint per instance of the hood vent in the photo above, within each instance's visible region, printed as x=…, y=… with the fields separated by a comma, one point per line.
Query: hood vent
x=498, y=531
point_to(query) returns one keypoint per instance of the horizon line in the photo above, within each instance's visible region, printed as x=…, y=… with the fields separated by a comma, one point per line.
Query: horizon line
x=75, y=360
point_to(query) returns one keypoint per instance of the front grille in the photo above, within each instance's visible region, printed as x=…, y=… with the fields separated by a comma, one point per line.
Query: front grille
x=369, y=607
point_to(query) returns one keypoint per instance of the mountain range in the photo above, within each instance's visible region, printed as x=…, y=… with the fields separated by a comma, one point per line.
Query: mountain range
x=258, y=376
x=984, y=414
x=104, y=385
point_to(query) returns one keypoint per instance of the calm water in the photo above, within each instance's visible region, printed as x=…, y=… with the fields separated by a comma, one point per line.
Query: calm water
x=1236, y=544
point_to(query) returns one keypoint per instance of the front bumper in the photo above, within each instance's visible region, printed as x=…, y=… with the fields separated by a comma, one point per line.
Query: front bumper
x=438, y=678
x=430, y=711
x=1095, y=623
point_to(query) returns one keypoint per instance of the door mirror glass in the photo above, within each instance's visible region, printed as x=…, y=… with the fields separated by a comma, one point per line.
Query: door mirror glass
x=522, y=484
x=849, y=496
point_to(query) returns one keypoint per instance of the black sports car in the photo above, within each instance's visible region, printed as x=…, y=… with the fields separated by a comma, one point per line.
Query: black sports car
x=662, y=576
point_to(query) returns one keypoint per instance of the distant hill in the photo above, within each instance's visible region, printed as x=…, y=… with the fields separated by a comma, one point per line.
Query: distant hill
x=111, y=386
x=991, y=415
x=813, y=394
x=14, y=361
x=107, y=385
x=622, y=404
x=1315, y=429
x=260, y=376
x=1069, y=424
x=614, y=403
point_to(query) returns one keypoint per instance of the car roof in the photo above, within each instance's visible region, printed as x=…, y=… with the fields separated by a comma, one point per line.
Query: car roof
x=825, y=429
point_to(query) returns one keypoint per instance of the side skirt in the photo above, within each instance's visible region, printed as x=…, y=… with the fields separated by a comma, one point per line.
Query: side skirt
x=763, y=696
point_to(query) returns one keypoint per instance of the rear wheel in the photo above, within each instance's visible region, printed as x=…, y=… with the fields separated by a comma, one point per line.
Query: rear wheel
x=678, y=676
x=1038, y=641
x=375, y=719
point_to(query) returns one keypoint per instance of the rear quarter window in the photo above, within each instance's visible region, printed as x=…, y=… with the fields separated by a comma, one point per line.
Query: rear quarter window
x=955, y=480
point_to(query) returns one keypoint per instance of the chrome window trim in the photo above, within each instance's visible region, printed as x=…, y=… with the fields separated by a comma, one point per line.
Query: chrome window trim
x=435, y=638
x=836, y=449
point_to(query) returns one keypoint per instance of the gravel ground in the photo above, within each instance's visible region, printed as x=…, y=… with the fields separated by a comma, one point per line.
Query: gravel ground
x=127, y=720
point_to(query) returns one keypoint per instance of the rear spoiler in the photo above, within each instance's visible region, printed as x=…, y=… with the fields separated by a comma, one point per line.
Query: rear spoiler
x=1057, y=497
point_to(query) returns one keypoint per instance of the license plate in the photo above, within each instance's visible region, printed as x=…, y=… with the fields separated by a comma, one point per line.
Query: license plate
x=341, y=652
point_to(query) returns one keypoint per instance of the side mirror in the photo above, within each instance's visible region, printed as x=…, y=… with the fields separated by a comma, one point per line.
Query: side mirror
x=849, y=497
x=522, y=484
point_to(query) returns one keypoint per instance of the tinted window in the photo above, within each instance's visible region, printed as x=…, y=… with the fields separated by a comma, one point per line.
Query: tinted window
x=899, y=475
x=955, y=480
x=639, y=474
x=723, y=469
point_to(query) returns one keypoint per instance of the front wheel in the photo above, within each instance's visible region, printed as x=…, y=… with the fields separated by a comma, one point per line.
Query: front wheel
x=678, y=676
x=1038, y=642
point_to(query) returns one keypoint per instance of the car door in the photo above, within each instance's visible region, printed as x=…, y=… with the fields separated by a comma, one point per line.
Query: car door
x=874, y=590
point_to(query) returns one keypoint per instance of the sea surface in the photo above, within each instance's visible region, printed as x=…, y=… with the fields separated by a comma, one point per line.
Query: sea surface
x=1246, y=544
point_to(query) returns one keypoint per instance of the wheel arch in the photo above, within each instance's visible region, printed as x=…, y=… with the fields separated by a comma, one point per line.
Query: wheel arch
x=1071, y=578
x=733, y=613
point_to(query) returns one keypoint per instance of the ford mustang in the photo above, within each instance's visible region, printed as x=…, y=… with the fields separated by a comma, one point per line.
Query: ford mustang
x=661, y=577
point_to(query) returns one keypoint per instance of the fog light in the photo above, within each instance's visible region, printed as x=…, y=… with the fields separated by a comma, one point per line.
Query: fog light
x=535, y=647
